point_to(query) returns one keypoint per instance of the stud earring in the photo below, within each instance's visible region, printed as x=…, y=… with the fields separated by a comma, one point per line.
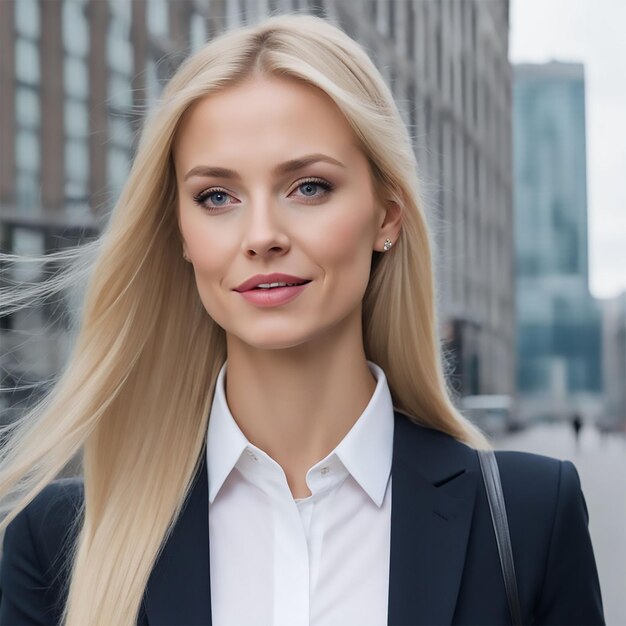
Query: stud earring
x=186, y=257
x=388, y=243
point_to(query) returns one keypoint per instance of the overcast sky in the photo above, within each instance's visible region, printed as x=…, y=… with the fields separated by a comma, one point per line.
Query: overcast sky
x=592, y=32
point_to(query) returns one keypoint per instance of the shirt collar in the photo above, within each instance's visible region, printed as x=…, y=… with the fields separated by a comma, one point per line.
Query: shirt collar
x=225, y=441
x=366, y=450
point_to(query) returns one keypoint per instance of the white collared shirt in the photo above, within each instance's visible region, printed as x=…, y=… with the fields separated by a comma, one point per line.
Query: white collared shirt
x=316, y=561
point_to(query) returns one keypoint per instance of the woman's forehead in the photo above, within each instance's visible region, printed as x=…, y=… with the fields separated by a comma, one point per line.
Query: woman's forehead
x=267, y=118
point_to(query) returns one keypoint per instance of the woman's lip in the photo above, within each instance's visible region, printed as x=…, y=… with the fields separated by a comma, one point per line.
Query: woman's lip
x=274, y=277
x=301, y=281
x=274, y=296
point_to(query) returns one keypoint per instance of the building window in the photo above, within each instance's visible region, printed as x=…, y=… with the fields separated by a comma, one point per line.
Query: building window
x=28, y=18
x=27, y=66
x=119, y=49
x=27, y=149
x=234, y=13
x=76, y=118
x=118, y=167
x=119, y=132
x=27, y=192
x=27, y=242
x=120, y=89
x=76, y=110
x=197, y=31
x=76, y=159
x=27, y=105
x=157, y=17
x=123, y=11
x=76, y=77
x=75, y=28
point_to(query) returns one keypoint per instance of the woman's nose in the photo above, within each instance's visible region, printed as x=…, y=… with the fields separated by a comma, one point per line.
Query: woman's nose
x=265, y=231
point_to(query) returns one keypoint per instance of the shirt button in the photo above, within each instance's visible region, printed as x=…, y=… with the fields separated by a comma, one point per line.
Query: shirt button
x=324, y=470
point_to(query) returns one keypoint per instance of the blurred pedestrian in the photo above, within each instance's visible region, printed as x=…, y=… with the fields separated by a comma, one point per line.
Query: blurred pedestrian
x=577, y=424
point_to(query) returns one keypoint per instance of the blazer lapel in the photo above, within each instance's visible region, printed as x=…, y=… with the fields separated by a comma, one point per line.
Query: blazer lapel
x=434, y=481
x=179, y=588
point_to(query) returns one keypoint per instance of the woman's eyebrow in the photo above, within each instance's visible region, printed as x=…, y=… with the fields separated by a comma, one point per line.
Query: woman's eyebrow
x=282, y=168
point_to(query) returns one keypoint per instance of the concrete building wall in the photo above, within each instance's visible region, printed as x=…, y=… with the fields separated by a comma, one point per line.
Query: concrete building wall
x=445, y=60
x=447, y=64
x=614, y=358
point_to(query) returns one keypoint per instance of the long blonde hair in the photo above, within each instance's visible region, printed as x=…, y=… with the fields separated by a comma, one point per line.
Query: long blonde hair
x=135, y=394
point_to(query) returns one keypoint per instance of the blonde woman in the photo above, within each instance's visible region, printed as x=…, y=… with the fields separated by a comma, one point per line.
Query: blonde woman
x=257, y=386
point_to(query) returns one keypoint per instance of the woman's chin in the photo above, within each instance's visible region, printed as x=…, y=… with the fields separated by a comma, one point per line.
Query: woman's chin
x=276, y=340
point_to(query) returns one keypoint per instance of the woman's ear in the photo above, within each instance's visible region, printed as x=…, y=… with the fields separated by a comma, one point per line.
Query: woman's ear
x=391, y=224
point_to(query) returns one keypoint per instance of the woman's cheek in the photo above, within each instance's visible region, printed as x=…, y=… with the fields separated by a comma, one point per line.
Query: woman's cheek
x=349, y=239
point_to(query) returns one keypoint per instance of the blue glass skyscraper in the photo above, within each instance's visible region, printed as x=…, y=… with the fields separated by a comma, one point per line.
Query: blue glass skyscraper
x=558, y=322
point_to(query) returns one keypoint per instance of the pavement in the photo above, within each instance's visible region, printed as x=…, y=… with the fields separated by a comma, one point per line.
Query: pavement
x=601, y=464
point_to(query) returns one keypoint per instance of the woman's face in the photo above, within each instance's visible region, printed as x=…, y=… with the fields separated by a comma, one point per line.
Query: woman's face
x=270, y=179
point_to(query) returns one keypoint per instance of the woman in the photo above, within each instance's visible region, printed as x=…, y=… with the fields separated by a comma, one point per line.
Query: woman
x=259, y=342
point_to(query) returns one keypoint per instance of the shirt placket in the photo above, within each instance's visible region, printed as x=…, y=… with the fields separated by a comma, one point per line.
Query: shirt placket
x=291, y=562
x=325, y=480
x=291, y=557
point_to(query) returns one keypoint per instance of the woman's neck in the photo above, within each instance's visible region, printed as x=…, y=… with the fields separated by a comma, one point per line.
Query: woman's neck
x=297, y=404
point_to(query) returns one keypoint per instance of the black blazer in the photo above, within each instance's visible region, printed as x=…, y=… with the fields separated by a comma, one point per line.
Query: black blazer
x=444, y=564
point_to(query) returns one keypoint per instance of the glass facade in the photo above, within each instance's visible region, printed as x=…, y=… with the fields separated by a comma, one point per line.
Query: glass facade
x=551, y=176
x=558, y=334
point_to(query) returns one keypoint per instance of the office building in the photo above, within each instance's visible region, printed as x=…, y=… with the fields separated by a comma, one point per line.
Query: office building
x=558, y=333
x=98, y=65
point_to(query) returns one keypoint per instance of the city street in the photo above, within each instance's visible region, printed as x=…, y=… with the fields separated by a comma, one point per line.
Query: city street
x=601, y=464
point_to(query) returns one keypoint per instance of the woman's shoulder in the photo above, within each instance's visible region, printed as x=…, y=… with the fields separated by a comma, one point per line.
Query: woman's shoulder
x=35, y=567
x=545, y=505
x=524, y=475
x=55, y=505
x=549, y=525
x=48, y=521
x=59, y=493
x=529, y=477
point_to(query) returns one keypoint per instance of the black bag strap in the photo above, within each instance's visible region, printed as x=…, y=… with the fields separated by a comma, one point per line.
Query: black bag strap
x=491, y=476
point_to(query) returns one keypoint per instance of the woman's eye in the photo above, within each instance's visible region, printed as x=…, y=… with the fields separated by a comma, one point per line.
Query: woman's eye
x=309, y=187
x=214, y=198
x=217, y=197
